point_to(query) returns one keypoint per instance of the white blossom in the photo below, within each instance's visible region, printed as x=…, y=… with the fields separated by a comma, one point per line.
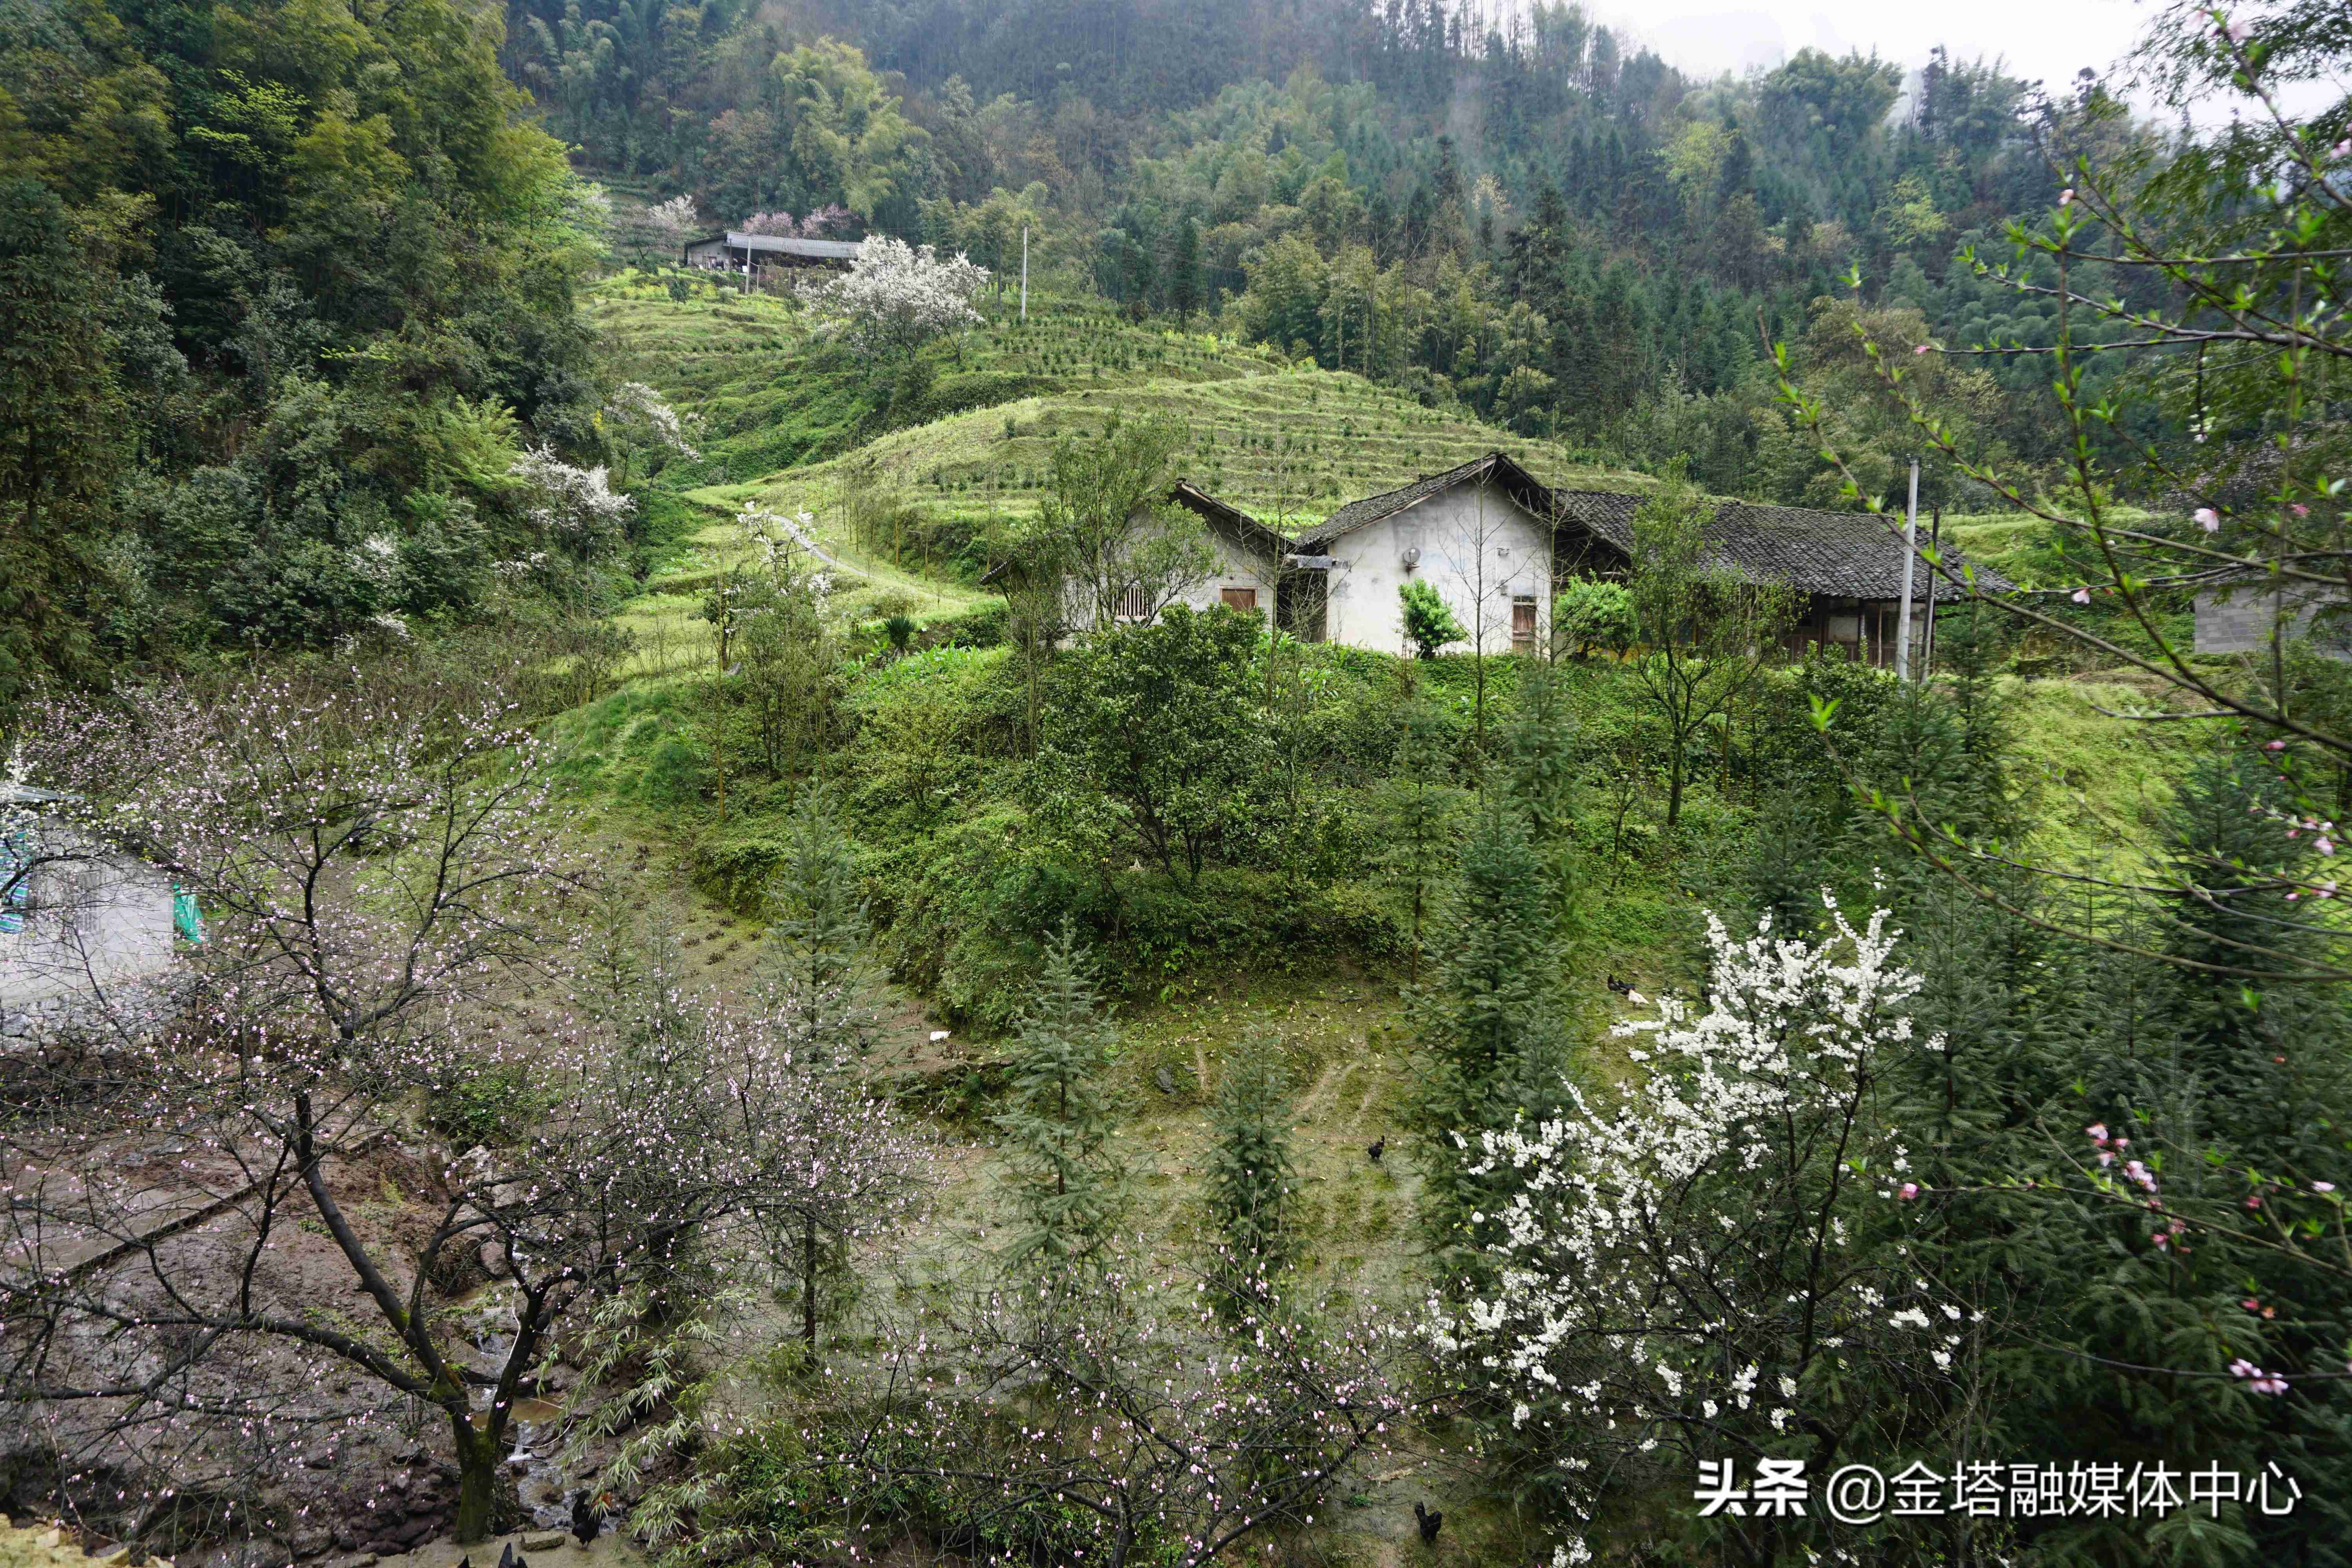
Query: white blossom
x=576, y=506
x=896, y=298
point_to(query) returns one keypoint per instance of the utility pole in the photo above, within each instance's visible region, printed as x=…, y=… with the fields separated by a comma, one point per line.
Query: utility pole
x=1910, y=559
x=1025, y=273
x=1935, y=544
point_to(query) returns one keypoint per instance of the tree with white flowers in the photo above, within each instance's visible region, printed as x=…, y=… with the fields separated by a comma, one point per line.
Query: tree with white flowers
x=638, y=424
x=895, y=296
x=1706, y=1264
x=674, y=220
x=576, y=508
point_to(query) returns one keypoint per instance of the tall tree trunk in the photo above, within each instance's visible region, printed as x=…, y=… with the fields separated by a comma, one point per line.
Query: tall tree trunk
x=477, y=1473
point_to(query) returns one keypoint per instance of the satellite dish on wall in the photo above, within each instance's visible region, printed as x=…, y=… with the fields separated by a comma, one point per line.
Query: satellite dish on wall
x=1412, y=556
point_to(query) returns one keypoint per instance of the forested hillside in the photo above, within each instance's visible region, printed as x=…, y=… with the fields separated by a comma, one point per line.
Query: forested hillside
x=1564, y=236
x=1236, y=850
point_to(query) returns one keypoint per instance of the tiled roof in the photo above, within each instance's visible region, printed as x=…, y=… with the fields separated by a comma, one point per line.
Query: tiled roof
x=1853, y=554
x=1507, y=475
x=1193, y=496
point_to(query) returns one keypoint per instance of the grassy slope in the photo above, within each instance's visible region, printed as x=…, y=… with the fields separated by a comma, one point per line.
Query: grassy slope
x=784, y=426
x=791, y=425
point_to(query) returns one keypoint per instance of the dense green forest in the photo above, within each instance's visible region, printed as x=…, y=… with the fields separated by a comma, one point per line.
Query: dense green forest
x=712, y=1002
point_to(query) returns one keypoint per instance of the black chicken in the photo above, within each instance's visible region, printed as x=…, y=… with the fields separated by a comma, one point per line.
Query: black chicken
x=587, y=1519
x=1377, y=1147
x=1429, y=1518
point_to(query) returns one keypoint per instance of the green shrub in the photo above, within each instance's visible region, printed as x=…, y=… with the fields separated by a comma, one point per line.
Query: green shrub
x=733, y=865
x=487, y=1104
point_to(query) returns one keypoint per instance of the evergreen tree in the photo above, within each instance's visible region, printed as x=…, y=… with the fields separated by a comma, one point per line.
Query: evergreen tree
x=1183, y=291
x=817, y=930
x=1068, y=1181
x=1416, y=806
x=1488, y=1025
x=60, y=443
x=1253, y=1187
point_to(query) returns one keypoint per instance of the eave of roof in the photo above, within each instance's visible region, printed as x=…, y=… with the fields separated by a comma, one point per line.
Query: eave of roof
x=1191, y=497
x=832, y=250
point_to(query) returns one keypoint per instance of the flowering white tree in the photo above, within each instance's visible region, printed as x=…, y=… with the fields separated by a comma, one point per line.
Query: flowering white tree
x=821, y=222
x=385, y=902
x=637, y=421
x=577, y=508
x=675, y=220
x=896, y=298
x=1703, y=1262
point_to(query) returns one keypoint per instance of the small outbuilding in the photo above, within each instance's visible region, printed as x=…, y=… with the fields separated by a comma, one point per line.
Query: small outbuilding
x=78, y=919
x=734, y=251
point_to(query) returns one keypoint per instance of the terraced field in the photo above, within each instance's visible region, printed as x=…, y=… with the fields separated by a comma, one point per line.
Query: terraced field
x=793, y=423
x=1289, y=446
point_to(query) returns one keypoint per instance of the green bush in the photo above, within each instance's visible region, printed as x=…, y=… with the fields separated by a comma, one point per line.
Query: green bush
x=487, y=1104
x=982, y=627
x=733, y=865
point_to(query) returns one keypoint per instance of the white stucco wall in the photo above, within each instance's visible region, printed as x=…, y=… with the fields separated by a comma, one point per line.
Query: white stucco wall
x=1238, y=566
x=1479, y=547
x=88, y=922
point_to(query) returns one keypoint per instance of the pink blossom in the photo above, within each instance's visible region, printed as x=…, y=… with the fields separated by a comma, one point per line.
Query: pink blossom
x=2081, y=595
x=1921, y=349
x=2159, y=1237
x=2208, y=518
x=2254, y=1200
x=2066, y=197
x=1908, y=1191
x=2300, y=509
x=2097, y=1132
x=2235, y=32
x=2342, y=150
x=2275, y=746
x=2323, y=1186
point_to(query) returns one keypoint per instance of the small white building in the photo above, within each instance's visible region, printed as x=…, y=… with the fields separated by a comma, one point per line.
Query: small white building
x=76, y=919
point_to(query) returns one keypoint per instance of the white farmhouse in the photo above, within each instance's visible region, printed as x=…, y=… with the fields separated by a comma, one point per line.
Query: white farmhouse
x=1498, y=544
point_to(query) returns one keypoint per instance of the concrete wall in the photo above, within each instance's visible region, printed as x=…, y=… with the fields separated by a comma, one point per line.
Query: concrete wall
x=1481, y=549
x=2240, y=622
x=1239, y=567
x=91, y=922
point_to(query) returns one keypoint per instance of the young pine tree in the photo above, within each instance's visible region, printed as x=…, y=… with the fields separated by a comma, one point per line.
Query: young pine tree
x=1068, y=1181
x=1251, y=1184
x=1416, y=805
x=817, y=932
x=1490, y=1024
